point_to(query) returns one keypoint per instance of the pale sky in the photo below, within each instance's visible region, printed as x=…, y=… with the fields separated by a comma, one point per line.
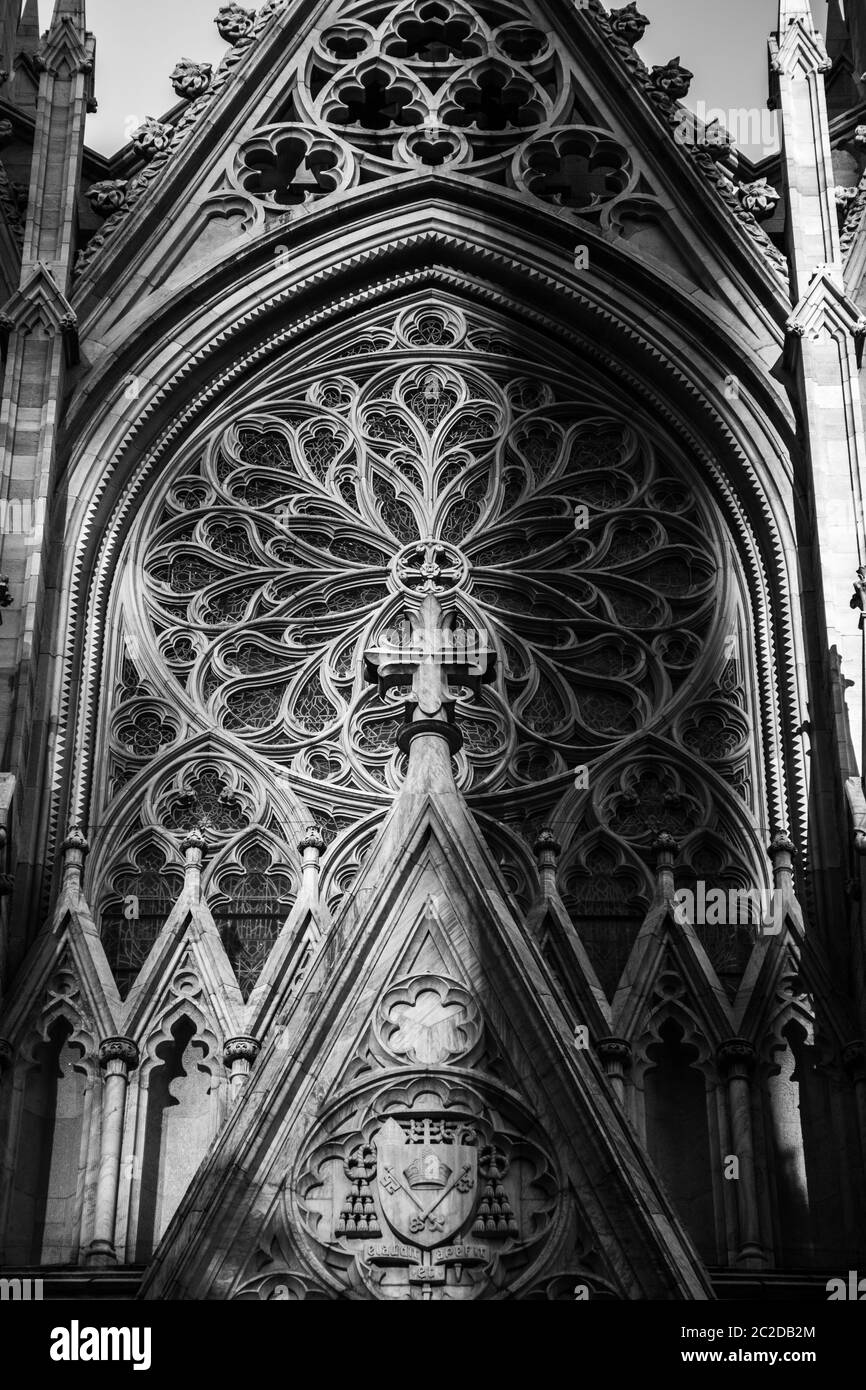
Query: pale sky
x=723, y=42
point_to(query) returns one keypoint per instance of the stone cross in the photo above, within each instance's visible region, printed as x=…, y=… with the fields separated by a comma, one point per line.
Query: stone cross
x=435, y=657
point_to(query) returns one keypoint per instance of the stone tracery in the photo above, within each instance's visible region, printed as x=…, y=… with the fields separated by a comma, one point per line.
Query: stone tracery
x=429, y=461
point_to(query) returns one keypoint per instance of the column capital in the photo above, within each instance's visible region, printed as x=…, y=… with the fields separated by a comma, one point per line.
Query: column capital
x=736, y=1054
x=75, y=840
x=547, y=843
x=614, y=1050
x=193, y=843
x=312, y=839
x=243, y=1048
x=119, y=1050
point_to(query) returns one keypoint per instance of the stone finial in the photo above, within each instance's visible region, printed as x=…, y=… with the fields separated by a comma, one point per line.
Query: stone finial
x=151, y=138
x=665, y=849
x=74, y=849
x=107, y=197
x=192, y=847
x=672, y=79
x=311, y=845
x=780, y=843
x=860, y=135
x=781, y=851
x=234, y=22
x=547, y=849
x=758, y=198
x=629, y=24
x=117, y=1053
x=191, y=80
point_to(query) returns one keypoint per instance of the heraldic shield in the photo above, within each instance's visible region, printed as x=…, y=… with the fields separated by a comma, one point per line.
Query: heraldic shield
x=428, y=1178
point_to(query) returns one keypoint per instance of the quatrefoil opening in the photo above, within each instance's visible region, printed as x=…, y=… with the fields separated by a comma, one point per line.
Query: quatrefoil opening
x=576, y=168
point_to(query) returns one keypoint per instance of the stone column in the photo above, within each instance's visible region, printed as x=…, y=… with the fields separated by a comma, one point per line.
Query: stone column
x=192, y=847
x=311, y=846
x=547, y=851
x=823, y=333
x=736, y=1058
x=117, y=1057
x=615, y=1054
x=854, y=1059
x=238, y=1055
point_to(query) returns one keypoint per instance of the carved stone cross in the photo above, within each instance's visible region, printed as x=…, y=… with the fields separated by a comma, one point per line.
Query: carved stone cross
x=436, y=657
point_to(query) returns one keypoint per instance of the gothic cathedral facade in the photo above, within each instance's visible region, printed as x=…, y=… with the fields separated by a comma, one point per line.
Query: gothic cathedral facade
x=432, y=701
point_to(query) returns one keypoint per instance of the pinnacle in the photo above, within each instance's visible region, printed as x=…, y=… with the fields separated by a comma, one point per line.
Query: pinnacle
x=27, y=36
x=70, y=9
x=791, y=10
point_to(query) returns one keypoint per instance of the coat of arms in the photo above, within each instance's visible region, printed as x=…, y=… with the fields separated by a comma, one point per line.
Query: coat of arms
x=427, y=1174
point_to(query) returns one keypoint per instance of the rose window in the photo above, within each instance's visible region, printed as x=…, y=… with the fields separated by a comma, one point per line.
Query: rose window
x=285, y=548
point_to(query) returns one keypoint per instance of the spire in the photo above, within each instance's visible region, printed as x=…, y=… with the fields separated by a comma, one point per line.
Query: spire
x=8, y=22
x=69, y=9
x=27, y=37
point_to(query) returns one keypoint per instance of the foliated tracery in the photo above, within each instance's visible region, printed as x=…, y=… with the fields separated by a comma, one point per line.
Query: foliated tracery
x=425, y=455
x=432, y=86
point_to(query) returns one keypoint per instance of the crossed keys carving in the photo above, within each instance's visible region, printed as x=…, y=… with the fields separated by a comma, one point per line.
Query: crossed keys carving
x=462, y=1183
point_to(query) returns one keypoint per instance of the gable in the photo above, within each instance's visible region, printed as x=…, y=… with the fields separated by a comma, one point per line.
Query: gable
x=317, y=105
x=422, y=1125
